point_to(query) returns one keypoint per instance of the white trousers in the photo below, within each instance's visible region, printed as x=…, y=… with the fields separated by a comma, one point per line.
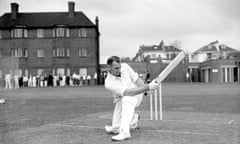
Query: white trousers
x=8, y=84
x=124, y=111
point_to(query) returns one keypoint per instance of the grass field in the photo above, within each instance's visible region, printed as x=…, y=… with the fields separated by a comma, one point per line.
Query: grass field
x=192, y=114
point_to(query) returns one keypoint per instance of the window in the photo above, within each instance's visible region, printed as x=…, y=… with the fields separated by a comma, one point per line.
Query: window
x=68, y=52
x=40, y=53
x=40, y=33
x=60, y=52
x=82, y=52
x=20, y=52
x=25, y=53
x=19, y=33
x=209, y=55
x=82, y=32
x=16, y=52
x=61, y=32
x=0, y=34
x=83, y=71
x=40, y=71
x=67, y=32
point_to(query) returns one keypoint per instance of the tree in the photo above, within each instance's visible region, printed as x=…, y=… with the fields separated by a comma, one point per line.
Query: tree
x=177, y=44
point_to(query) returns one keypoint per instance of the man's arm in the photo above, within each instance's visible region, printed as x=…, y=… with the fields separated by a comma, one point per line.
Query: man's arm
x=139, y=82
x=135, y=91
x=141, y=87
x=144, y=87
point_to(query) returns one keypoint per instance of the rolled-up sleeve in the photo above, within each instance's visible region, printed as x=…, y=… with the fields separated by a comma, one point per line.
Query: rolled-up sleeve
x=132, y=73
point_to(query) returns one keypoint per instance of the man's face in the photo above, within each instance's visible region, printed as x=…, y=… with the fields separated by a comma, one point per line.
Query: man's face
x=115, y=69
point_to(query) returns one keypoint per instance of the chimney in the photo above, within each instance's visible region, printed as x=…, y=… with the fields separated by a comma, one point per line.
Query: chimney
x=97, y=21
x=71, y=6
x=14, y=10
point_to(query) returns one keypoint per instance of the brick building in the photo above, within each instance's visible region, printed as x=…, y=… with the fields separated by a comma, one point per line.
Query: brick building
x=49, y=42
x=214, y=62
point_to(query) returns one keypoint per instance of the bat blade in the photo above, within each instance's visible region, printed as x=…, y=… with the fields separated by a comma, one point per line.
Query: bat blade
x=170, y=67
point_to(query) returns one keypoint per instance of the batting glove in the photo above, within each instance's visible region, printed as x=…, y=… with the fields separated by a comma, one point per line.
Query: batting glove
x=153, y=85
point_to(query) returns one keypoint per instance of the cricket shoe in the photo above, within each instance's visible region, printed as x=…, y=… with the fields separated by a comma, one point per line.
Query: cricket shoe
x=111, y=130
x=121, y=136
x=134, y=123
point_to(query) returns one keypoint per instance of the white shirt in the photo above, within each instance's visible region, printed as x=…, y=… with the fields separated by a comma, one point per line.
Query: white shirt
x=117, y=85
x=95, y=76
x=88, y=77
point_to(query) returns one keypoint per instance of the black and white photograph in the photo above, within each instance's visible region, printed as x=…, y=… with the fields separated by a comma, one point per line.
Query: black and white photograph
x=127, y=71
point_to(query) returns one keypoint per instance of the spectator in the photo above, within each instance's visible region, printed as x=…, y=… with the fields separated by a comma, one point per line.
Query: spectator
x=34, y=81
x=84, y=79
x=88, y=79
x=30, y=82
x=50, y=80
x=54, y=81
x=95, y=78
x=25, y=81
x=16, y=81
x=8, y=81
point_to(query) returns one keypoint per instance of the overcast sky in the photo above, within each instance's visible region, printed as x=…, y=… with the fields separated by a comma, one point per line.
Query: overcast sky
x=127, y=24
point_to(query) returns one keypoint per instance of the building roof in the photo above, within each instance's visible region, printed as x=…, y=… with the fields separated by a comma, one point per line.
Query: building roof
x=215, y=47
x=45, y=19
x=158, y=48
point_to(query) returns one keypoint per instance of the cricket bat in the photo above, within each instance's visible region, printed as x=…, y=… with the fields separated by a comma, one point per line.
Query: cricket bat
x=170, y=67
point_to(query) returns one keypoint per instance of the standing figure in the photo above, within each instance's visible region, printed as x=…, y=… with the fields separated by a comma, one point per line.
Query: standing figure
x=8, y=84
x=16, y=81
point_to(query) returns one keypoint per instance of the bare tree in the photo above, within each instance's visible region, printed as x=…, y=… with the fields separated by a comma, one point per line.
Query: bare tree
x=177, y=44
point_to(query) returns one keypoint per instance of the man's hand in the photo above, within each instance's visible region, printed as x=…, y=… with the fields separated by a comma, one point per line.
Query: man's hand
x=153, y=85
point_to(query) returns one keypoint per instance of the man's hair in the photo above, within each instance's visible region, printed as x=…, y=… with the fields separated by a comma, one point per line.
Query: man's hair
x=113, y=59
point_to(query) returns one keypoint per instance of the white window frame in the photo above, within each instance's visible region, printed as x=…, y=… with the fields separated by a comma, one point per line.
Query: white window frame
x=40, y=52
x=40, y=71
x=82, y=52
x=60, y=32
x=60, y=52
x=67, y=32
x=17, y=52
x=19, y=33
x=40, y=33
x=83, y=71
x=20, y=52
x=82, y=32
x=68, y=52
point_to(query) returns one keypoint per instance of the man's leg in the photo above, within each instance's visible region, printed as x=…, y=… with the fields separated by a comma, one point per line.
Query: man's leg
x=136, y=117
x=128, y=108
x=116, y=120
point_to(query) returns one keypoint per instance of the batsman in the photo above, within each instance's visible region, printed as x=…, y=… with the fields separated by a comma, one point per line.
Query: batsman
x=128, y=90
